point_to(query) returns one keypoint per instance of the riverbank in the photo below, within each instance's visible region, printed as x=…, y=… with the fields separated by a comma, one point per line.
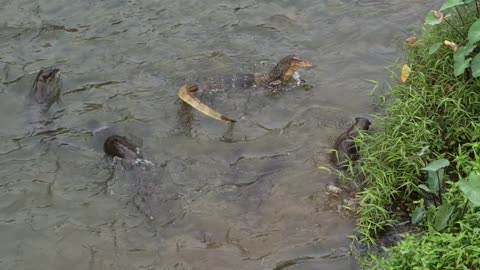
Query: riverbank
x=421, y=164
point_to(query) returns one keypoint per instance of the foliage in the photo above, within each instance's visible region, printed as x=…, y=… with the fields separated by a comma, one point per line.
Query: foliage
x=467, y=55
x=423, y=163
x=454, y=249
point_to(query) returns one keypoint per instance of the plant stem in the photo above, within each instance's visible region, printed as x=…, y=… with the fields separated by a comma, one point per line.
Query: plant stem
x=460, y=15
x=453, y=27
x=476, y=4
x=464, y=208
x=470, y=10
x=439, y=188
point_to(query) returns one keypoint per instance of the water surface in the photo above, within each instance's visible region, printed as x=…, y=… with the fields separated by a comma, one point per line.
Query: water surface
x=247, y=196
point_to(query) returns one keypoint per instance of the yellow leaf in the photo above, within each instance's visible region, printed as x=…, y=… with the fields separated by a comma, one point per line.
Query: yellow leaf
x=405, y=72
x=324, y=168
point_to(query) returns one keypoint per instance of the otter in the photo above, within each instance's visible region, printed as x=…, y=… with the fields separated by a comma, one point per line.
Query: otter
x=46, y=88
x=121, y=147
x=44, y=93
x=186, y=93
x=345, y=147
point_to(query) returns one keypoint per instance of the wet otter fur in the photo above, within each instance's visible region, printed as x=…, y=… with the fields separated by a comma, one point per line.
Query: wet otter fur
x=44, y=93
x=282, y=72
x=46, y=88
x=120, y=147
x=345, y=147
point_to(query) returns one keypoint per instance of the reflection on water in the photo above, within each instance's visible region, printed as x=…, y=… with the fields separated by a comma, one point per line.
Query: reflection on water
x=241, y=196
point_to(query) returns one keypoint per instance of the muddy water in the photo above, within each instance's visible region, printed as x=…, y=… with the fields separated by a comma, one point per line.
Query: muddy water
x=247, y=196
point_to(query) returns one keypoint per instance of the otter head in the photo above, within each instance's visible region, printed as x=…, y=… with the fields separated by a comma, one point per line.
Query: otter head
x=48, y=73
x=119, y=146
x=46, y=87
x=285, y=69
x=362, y=123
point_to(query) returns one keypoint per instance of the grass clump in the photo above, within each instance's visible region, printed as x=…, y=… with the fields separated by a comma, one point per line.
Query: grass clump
x=434, y=115
x=457, y=246
x=436, y=250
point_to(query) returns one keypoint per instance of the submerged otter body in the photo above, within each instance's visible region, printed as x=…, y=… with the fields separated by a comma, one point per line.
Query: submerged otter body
x=120, y=147
x=345, y=147
x=46, y=88
x=44, y=93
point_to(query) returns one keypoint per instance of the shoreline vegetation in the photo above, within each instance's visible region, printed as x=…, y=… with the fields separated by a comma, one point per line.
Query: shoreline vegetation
x=420, y=168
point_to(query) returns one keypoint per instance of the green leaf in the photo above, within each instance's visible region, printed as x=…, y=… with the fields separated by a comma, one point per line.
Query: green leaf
x=476, y=66
x=432, y=181
x=436, y=165
x=417, y=214
x=471, y=188
x=463, y=51
x=431, y=19
x=460, y=66
x=422, y=186
x=450, y=4
x=443, y=215
x=441, y=175
x=434, y=48
x=474, y=32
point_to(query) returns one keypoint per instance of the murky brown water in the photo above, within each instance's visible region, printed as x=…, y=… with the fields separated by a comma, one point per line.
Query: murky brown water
x=245, y=197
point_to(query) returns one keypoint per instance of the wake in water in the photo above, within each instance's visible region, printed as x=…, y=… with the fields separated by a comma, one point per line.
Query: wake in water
x=141, y=163
x=148, y=187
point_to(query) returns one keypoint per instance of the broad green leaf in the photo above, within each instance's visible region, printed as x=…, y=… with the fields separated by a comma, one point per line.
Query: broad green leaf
x=417, y=214
x=437, y=165
x=431, y=19
x=434, y=48
x=460, y=66
x=474, y=32
x=463, y=51
x=468, y=1
x=450, y=4
x=471, y=188
x=422, y=186
x=441, y=175
x=443, y=215
x=432, y=181
x=476, y=65
x=460, y=63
